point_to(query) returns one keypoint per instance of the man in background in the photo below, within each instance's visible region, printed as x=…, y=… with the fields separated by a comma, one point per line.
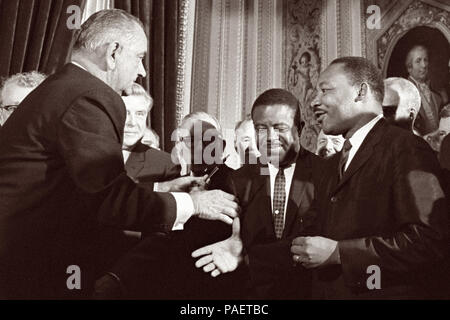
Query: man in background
x=244, y=144
x=15, y=89
x=62, y=174
x=275, y=198
x=401, y=103
x=327, y=145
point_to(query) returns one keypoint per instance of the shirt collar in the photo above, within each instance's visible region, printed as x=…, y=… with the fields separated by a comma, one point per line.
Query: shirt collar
x=78, y=65
x=358, y=137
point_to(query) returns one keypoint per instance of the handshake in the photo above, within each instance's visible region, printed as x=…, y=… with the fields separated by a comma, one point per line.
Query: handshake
x=210, y=205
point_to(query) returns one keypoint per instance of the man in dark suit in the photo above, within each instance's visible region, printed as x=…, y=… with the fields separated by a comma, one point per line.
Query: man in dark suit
x=381, y=209
x=275, y=196
x=62, y=175
x=161, y=267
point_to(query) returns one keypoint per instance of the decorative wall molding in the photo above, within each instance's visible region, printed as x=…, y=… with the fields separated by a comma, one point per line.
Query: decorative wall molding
x=183, y=83
x=304, y=49
x=416, y=14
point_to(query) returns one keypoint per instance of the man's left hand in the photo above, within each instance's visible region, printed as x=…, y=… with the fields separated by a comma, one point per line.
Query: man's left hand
x=312, y=252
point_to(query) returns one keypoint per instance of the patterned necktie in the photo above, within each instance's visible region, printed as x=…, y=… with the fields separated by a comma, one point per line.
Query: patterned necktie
x=344, y=157
x=279, y=199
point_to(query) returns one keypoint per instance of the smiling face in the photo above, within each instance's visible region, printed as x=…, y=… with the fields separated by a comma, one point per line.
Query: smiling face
x=135, y=123
x=276, y=134
x=334, y=103
x=129, y=62
x=418, y=63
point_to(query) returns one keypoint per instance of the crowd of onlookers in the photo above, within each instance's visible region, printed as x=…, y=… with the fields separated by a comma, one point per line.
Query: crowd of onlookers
x=83, y=180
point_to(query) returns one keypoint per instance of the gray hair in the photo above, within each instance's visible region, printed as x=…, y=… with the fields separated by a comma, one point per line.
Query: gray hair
x=409, y=96
x=408, y=62
x=138, y=91
x=202, y=116
x=25, y=80
x=106, y=26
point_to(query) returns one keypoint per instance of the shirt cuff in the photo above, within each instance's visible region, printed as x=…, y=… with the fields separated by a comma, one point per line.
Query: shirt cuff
x=155, y=187
x=185, y=209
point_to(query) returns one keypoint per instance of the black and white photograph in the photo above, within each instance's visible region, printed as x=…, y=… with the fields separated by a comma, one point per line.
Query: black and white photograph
x=228, y=156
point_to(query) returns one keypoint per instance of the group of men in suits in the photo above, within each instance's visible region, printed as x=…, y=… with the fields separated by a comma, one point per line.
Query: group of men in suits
x=62, y=174
x=304, y=227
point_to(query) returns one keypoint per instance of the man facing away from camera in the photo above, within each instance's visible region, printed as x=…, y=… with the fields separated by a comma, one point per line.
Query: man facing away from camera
x=62, y=174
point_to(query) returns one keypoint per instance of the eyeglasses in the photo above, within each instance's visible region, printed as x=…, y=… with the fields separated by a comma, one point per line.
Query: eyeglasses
x=10, y=107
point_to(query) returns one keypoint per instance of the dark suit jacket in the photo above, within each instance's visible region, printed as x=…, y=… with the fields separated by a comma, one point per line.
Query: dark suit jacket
x=272, y=272
x=388, y=210
x=62, y=177
x=147, y=165
x=161, y=266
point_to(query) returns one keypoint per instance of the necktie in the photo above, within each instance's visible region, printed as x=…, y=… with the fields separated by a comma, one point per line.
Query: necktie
x=279, y=199
x=344, y=157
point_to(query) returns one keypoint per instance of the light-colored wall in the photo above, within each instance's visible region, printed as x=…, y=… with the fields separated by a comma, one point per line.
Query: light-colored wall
x=242, y=47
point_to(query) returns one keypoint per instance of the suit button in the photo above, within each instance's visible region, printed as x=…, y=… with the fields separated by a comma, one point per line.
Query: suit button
x=301, y=220
x=334, y=199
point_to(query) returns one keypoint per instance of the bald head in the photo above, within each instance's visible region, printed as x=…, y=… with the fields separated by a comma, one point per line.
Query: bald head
x=401, y=101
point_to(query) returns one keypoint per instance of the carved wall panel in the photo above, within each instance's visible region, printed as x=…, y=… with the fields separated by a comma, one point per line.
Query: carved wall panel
x=303, y=49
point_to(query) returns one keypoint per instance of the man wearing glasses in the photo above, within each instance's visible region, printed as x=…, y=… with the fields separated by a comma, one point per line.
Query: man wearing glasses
x=15, y=89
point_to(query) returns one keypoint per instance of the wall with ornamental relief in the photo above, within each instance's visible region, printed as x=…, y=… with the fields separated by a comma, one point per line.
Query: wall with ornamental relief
x=302, y=60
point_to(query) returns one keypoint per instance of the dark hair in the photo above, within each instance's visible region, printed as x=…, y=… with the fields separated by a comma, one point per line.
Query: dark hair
x=361, y=70
x=279, y=97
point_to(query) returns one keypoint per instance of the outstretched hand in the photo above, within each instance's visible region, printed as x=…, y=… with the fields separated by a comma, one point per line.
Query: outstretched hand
x=221, y=257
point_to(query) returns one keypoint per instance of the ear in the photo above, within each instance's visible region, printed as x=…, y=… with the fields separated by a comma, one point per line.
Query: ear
x=111, y=55
x=362, y=92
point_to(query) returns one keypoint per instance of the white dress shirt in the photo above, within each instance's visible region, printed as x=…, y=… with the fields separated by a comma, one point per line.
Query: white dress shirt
x=184, y=203
x=288, y=174
x=358, y=137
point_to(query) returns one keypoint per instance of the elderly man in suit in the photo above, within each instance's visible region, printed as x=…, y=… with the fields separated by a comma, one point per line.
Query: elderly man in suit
x=62, y=175
x=275, y=196
x=14, y=89
x=380, y=204
x=432, y=100
x=401, y=103
x=161, y=266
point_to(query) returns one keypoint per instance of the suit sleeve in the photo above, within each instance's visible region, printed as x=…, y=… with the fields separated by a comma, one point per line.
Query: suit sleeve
x=420, y=236
x=91, y=149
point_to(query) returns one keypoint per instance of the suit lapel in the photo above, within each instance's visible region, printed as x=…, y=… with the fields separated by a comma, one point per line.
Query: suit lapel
x=296, y=192
x=259, y=197
x=364, y=152
x=136, y=160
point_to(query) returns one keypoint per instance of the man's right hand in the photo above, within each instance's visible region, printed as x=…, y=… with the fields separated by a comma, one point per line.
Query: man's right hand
x=215, y=205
